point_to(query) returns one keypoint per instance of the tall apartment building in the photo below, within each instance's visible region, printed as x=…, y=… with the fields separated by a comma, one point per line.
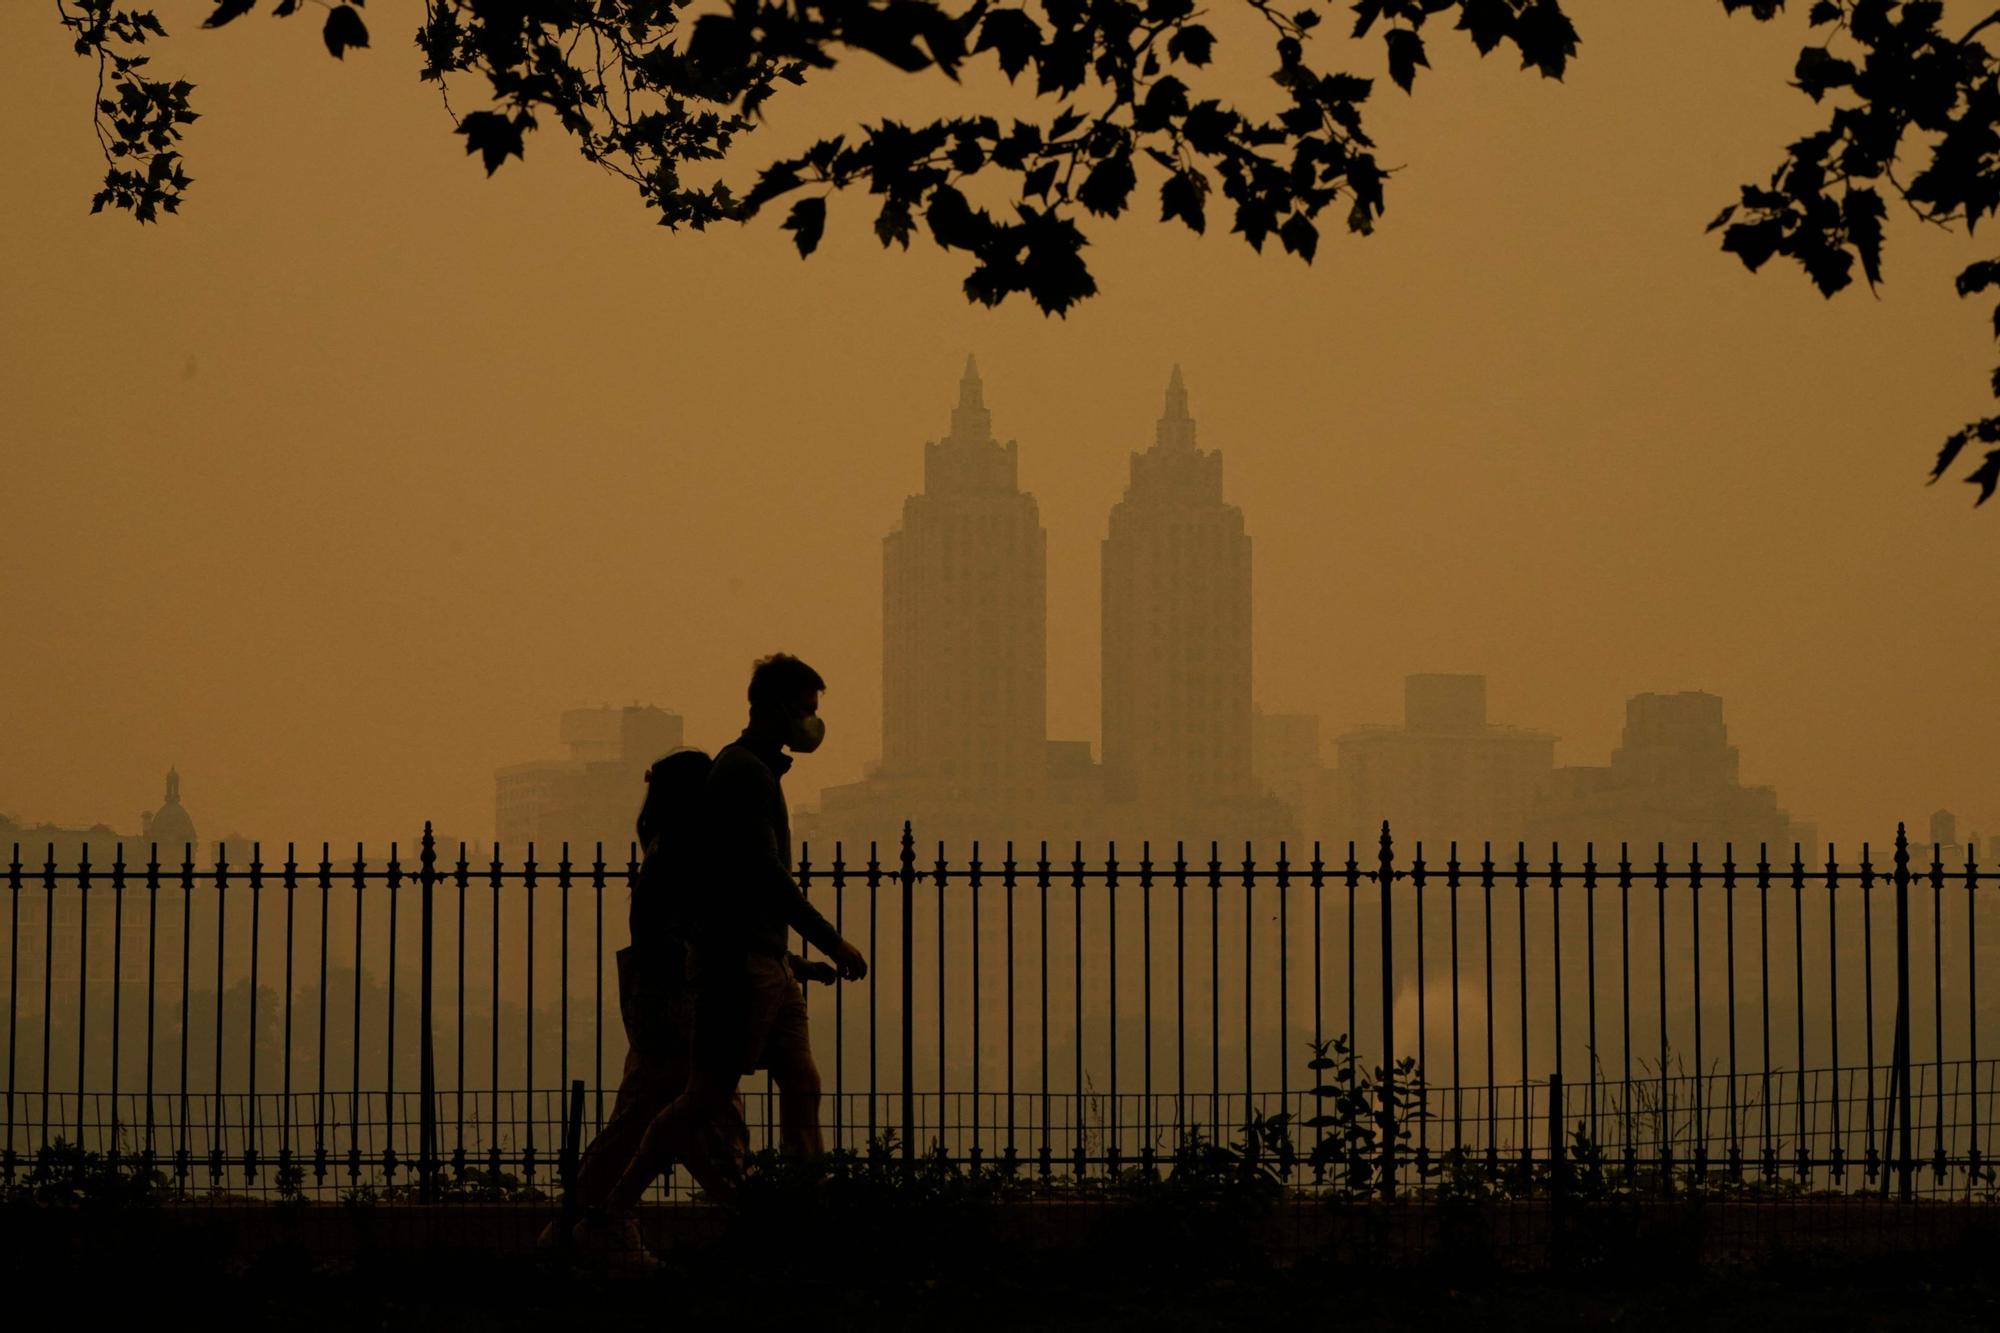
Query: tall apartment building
x=964, y=651
x=1176, y=633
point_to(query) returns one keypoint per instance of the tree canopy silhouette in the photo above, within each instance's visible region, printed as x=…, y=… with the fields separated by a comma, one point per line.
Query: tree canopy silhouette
x=665, y=98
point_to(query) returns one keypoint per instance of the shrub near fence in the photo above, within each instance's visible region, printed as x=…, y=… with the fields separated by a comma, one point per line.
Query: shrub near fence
x=1723, y=1022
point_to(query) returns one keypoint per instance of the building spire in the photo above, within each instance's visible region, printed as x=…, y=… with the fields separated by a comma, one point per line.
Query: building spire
x=173, y=786
x=1176, y=427
x=971, y=423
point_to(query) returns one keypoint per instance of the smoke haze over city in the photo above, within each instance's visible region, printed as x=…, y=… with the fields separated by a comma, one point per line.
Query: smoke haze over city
x=335, y=508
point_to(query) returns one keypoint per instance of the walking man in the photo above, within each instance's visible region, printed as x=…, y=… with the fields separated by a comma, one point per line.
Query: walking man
x=749, y=1012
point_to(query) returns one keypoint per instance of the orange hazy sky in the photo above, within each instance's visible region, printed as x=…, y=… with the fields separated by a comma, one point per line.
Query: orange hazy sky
x=335, y=490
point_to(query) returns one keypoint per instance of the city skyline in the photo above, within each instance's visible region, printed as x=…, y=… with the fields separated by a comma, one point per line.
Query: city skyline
x=956, y=458
x=968, y=471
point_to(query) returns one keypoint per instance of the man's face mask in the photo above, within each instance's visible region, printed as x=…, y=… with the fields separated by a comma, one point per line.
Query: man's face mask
x=807, y=732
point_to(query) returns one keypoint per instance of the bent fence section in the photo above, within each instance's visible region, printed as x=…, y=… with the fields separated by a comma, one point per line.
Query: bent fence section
x=1749, y=1019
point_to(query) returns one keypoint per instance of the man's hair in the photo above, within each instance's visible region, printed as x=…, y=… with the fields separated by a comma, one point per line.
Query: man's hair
x=776, y=680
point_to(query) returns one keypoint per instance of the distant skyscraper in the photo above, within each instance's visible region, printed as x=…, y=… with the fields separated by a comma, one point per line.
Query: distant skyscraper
x=1176, y=633
x=964, y=655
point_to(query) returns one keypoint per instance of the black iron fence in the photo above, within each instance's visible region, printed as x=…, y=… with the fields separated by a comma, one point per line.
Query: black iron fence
x=325, y=1026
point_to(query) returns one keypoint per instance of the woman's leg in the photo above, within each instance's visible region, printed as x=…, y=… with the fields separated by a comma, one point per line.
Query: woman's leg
x=645, y=1090
x=677, y=1134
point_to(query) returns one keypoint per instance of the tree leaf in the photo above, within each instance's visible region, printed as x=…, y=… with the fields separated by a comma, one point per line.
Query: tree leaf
x=953, y=224
x=1977, y=277
x=1182, y=197
x=228, y=11
x=1406, y=52
x=806, y=222
x=1345, y=88
x=1829, y=266
x=1862, y=211
x=344, y=29
x=1166, y=99
x=1546, y=38
x=1052, y=269
x=1487, y=21
x=1192, y=43
x=1108, y=185
x=1300, y=236
x=1754, y=242
x=1255, y=217
x=493, y=136
x=1819, y=70
x=894, y=223
x=1954, y=445
x=1986, y=477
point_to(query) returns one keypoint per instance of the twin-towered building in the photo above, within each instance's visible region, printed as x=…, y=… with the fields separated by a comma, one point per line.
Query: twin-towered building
x=965, y=746
x=1183, y=755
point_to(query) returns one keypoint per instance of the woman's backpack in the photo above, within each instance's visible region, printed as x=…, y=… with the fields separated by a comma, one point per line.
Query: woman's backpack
x=668, y=828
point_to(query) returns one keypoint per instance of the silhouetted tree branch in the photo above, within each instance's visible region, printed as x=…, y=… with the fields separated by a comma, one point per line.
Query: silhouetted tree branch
x=662, y=97
x=1894, y=83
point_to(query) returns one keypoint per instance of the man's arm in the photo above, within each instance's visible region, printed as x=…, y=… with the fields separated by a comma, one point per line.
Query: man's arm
x=774, y=877
x=808, y=969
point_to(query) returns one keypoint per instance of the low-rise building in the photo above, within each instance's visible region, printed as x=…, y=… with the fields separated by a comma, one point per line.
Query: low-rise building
x=593, y=794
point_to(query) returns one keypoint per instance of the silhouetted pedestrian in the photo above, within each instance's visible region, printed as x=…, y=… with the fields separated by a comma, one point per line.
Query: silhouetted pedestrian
x=749, y=1012
x=656, y=1006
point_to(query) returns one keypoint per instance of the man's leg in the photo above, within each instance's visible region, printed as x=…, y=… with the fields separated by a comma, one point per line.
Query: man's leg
x=703, y=1128
x=788, y=1055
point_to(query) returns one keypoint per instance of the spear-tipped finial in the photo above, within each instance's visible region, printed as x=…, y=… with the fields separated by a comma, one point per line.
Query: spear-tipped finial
x=970, y=421
x=971, y=392
x=1176, y=428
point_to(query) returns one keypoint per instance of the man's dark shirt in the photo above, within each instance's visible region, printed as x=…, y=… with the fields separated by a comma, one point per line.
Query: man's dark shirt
x=752, y=901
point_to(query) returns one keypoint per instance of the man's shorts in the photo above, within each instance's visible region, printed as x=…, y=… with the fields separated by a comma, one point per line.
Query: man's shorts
x=749, y=1014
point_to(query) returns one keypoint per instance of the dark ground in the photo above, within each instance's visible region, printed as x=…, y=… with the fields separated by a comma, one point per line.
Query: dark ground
x=808, y=1270
x=509, y=1298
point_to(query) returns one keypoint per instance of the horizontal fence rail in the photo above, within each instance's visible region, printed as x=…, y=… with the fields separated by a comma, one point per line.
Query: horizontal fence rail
x=318, y=1027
